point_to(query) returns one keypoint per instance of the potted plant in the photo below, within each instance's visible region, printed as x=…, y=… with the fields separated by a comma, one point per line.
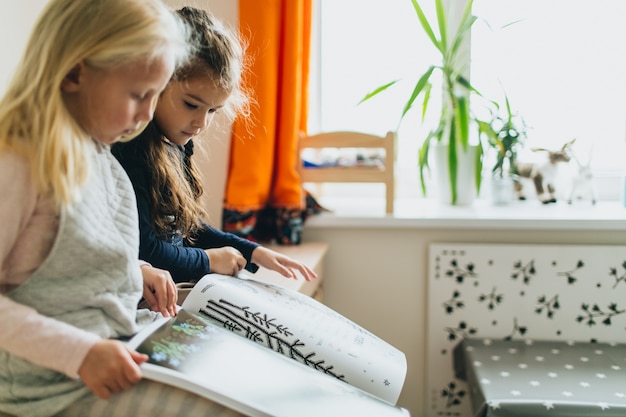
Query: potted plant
x=506, y=134
x=456, y=117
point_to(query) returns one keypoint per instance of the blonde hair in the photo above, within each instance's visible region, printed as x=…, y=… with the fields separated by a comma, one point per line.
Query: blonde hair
x=34, y=121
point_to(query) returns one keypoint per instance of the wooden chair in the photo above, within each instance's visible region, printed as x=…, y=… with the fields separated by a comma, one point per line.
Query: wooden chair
x=346, y=174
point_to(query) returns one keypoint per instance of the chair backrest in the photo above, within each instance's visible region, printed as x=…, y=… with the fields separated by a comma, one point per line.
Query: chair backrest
x=343, y=139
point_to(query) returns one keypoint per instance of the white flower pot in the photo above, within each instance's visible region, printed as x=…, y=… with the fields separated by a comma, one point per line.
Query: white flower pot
x=466, y=182
x=502, y=190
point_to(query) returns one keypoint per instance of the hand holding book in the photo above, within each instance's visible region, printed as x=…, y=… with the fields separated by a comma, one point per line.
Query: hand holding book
x=224, y=343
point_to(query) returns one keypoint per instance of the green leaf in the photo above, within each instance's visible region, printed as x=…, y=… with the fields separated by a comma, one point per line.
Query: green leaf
x=465, y=83
x=485, y=128
x=425, y=25
x=423, y=166
x=453, y=166
x=512, y=23
x=427, y=91
x=443, y=26
x=377, y=90
x=461, y=34
x=462, y=121
x=478, y=167
x=423, y=81
x=508, y=107
x=468, y=20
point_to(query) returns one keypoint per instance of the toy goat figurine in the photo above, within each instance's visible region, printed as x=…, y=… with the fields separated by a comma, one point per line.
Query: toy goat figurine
x=582, y=182
x=542, y=175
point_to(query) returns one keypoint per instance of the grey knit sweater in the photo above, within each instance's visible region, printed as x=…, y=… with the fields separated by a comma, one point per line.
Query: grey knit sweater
x=91, y=280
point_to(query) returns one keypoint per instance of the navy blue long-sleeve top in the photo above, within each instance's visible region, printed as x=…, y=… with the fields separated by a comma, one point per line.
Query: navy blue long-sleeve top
x=186, y=261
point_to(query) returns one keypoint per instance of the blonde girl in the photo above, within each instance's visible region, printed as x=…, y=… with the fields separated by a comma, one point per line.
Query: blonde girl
x=70, y=279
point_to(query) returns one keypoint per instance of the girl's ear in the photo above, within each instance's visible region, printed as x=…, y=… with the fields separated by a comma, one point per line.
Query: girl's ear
x=71, y=80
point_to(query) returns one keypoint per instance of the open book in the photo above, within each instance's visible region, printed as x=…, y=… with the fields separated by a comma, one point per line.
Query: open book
x=265, y=350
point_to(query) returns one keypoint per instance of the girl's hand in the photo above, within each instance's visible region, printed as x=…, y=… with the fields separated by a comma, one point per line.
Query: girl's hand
x=283, y=264
x=110, y=367
x=159, y=290
x=226, y=260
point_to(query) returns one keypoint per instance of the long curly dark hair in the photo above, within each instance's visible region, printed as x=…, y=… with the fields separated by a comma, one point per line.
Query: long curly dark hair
x=218, y=56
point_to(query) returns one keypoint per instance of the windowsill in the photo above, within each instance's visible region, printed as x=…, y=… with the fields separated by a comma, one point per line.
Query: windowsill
x=482, y=214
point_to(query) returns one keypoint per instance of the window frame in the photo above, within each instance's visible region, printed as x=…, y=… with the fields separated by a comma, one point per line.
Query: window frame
x=609, y=182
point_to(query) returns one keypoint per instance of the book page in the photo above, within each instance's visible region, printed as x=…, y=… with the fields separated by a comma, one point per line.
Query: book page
x=188, y=351
x=302, y=329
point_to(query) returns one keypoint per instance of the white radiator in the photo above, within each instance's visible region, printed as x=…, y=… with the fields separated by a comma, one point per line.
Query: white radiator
x=538, y=292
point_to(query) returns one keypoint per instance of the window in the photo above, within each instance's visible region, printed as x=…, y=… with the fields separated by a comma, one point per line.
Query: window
x=561, y=66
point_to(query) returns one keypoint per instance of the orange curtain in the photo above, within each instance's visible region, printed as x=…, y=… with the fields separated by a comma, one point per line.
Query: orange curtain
x=263, y=157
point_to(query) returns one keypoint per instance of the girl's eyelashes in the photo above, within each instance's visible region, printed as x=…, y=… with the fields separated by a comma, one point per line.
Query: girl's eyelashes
x=192, y=106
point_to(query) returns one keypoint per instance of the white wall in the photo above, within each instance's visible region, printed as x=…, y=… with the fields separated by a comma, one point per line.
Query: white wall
x=16, y=21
